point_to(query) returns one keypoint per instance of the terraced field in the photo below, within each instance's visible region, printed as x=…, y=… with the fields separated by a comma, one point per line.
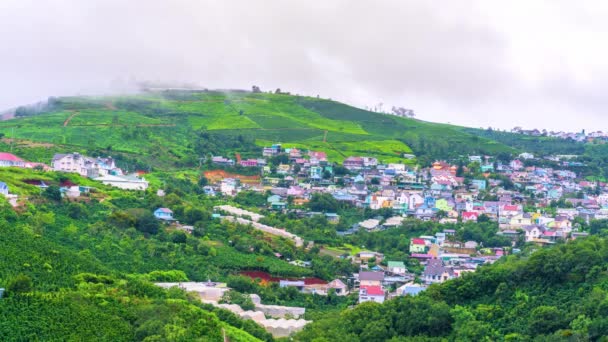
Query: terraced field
x=165, y=128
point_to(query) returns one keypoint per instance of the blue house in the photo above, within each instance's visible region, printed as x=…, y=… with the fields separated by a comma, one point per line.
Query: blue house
x=3, y=189
x=479, y=183
x=163, y=214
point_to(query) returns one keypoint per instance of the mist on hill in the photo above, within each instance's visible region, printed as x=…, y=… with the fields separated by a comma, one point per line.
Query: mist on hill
x=472, y=63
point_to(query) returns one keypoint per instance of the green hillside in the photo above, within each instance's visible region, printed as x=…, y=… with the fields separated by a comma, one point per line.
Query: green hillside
x=175, y=128
x=553, y=294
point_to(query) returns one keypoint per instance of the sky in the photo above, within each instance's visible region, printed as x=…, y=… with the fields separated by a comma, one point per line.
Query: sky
x=501, y=64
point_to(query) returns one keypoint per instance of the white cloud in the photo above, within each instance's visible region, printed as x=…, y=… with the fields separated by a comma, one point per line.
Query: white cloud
x=478, y=63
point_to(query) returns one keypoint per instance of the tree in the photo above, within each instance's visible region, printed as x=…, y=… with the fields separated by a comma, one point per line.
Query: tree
x=323, y=202
x=19, y=284
x=255, y=89
x=53, y=193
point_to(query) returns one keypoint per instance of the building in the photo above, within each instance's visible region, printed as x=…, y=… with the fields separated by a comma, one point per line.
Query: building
x=339, y=287
x=397, y=267
x=353, y=163
x=164, y=214
x=131, y=182
x=271, y=151
x=3, y=189
x=9, y=159
x=85, y=166
x=371, y=294
x=435, y=272
x=367, y=278
x=410, y=289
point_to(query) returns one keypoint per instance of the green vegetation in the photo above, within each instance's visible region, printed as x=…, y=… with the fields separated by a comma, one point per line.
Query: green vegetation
x=174, y=129
x=554, y=294
x=82, y=269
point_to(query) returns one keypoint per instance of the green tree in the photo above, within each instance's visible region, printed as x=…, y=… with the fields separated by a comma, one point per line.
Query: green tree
x=53, y=193
x=20, y=284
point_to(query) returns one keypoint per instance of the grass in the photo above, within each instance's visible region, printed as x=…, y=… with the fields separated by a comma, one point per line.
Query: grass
x=160, y=129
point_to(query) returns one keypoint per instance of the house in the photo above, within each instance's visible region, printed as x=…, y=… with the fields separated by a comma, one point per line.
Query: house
x=85, y=166
x=532, y=233
x=163, y=214
x=365, y=256
x=3, y=189
x=71, y=191
x=370, y=224
x=353, y=163
x=397, y=267
x=487, y=168
x=368, y=278
x=480, y=184
x=332, y=217
x=131, y=182
x=274, y=150
x=340, y=288
x=435, y=272
x=418, y=246
x=410, y=289
x=249, y=163
x=371, y=294
x=516, y=165
x=230, y=186
x=471, y=245
x=317, y=157
x=219, y=160
x=526, y=155
x=9, y=159
x=470, y=216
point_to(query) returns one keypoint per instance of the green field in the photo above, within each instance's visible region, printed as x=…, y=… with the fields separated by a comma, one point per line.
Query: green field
x=166, y=129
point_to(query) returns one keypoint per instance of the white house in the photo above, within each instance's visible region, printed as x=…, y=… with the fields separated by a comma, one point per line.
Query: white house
x=9, y=159
x=371, y=294
x=532, y=233
x=83, y=165
x=397, y=267
x=131, y=182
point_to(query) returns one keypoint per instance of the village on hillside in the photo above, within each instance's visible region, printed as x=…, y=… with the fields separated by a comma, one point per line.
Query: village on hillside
x=530, y=204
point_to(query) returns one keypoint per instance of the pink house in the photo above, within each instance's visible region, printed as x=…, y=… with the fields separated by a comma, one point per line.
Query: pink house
x=317, y=156
x=249, y=163
x=469, y=216
x=295, y=191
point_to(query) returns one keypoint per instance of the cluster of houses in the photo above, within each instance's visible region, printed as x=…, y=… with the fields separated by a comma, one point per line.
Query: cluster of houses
x=103, y=170
x=437, y=193
x=100, y=169
x=441, y=193
x=576, y=136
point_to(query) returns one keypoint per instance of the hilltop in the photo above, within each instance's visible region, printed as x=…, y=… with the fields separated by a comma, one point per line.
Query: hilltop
x=172, y=129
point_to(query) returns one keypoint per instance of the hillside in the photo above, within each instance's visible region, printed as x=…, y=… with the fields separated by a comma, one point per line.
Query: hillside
x=555, y=294
x=175, y=128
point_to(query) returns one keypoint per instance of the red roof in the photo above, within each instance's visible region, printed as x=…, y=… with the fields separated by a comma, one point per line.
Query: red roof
x=511, y=207
x=9, y=157
x=373, y=290
x=469, y=214
x=418, y=242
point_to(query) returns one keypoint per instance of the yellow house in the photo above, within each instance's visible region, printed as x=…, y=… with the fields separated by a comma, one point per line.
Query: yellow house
x=442, y=204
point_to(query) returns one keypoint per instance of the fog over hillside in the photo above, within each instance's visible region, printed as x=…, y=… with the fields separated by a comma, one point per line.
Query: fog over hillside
x=475, y=63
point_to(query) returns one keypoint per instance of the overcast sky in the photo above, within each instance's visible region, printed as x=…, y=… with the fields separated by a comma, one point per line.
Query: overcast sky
x=523, y=63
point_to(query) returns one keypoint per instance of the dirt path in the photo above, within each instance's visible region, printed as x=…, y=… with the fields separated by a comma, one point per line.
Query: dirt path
x=67, y=121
